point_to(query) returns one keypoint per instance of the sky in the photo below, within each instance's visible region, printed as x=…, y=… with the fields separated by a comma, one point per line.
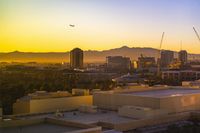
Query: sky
x=43, y=25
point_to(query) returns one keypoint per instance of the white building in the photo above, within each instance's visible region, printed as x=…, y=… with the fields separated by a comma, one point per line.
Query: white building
x=41, y=102
x=169, y=99
x=118, y=110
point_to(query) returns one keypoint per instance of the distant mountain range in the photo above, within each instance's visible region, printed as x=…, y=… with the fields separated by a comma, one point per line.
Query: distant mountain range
x=89, y=56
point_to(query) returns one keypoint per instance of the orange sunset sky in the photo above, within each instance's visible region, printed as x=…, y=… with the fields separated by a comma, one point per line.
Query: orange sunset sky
x=43, y=25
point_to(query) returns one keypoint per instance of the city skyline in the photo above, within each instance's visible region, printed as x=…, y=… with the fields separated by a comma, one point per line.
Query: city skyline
x=99, y=66
x=59, y=26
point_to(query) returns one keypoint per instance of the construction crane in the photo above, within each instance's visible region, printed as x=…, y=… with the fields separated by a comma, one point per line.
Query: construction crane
x=196, y=33
x=163, y=34
x=159, y=56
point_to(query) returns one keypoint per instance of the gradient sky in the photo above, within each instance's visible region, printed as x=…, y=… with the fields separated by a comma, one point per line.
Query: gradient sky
x=43, y=25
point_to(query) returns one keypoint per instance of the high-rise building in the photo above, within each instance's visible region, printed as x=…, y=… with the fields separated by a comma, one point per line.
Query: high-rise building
x=118, y=62
x=167, y=58
x=76, y=58
x=146, y=62
x=182, y=56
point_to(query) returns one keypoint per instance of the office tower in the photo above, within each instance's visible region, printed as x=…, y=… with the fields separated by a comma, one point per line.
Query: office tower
x=167, y=58
x=182, y=56
x=118, y=62
x=146, y=62
x=76, y=58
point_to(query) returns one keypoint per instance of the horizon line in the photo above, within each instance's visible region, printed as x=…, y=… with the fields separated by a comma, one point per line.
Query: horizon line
x=124, y=46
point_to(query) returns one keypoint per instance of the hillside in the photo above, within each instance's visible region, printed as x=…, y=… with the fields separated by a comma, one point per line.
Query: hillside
x=89, y=56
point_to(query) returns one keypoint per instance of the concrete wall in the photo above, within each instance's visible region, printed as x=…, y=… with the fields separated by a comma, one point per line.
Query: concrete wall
x=114, y=101
x=90, y=130
x=21, y=107
x=85, y=128
x=140, y=113
x=51, y=104
x=181, y=103
x=171, y=104
x=151, y=121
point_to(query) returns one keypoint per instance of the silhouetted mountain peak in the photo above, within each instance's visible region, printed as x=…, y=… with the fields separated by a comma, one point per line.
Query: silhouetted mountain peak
x=124, y=47
x=16, y=51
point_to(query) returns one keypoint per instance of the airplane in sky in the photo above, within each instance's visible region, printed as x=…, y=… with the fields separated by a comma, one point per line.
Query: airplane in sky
x=72, y=25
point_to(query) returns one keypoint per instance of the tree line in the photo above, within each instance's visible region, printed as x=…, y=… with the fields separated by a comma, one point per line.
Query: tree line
x=15, y=83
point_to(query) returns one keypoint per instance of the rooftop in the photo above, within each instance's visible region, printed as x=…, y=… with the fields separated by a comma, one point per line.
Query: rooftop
x=86, y=118
x=44, y=95
x=39, y=128
x=166, y=93
x=89, y=118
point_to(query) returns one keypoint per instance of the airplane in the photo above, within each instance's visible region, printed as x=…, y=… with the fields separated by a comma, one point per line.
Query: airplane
x=72, y=25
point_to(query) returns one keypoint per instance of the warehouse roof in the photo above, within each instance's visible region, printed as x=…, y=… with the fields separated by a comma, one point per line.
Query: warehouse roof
x=39, y=128
x=166, y=92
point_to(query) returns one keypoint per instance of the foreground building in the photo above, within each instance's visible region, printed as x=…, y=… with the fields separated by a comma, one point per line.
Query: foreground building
x=45, y=124
x=115, y=111
x=76, y=58
x=158, y=100
x=41, y=102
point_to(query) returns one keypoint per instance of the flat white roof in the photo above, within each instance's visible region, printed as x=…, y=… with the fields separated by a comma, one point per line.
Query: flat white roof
x=39, y=128
x=86, y=118
x=165, y=93
x=89, y=118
